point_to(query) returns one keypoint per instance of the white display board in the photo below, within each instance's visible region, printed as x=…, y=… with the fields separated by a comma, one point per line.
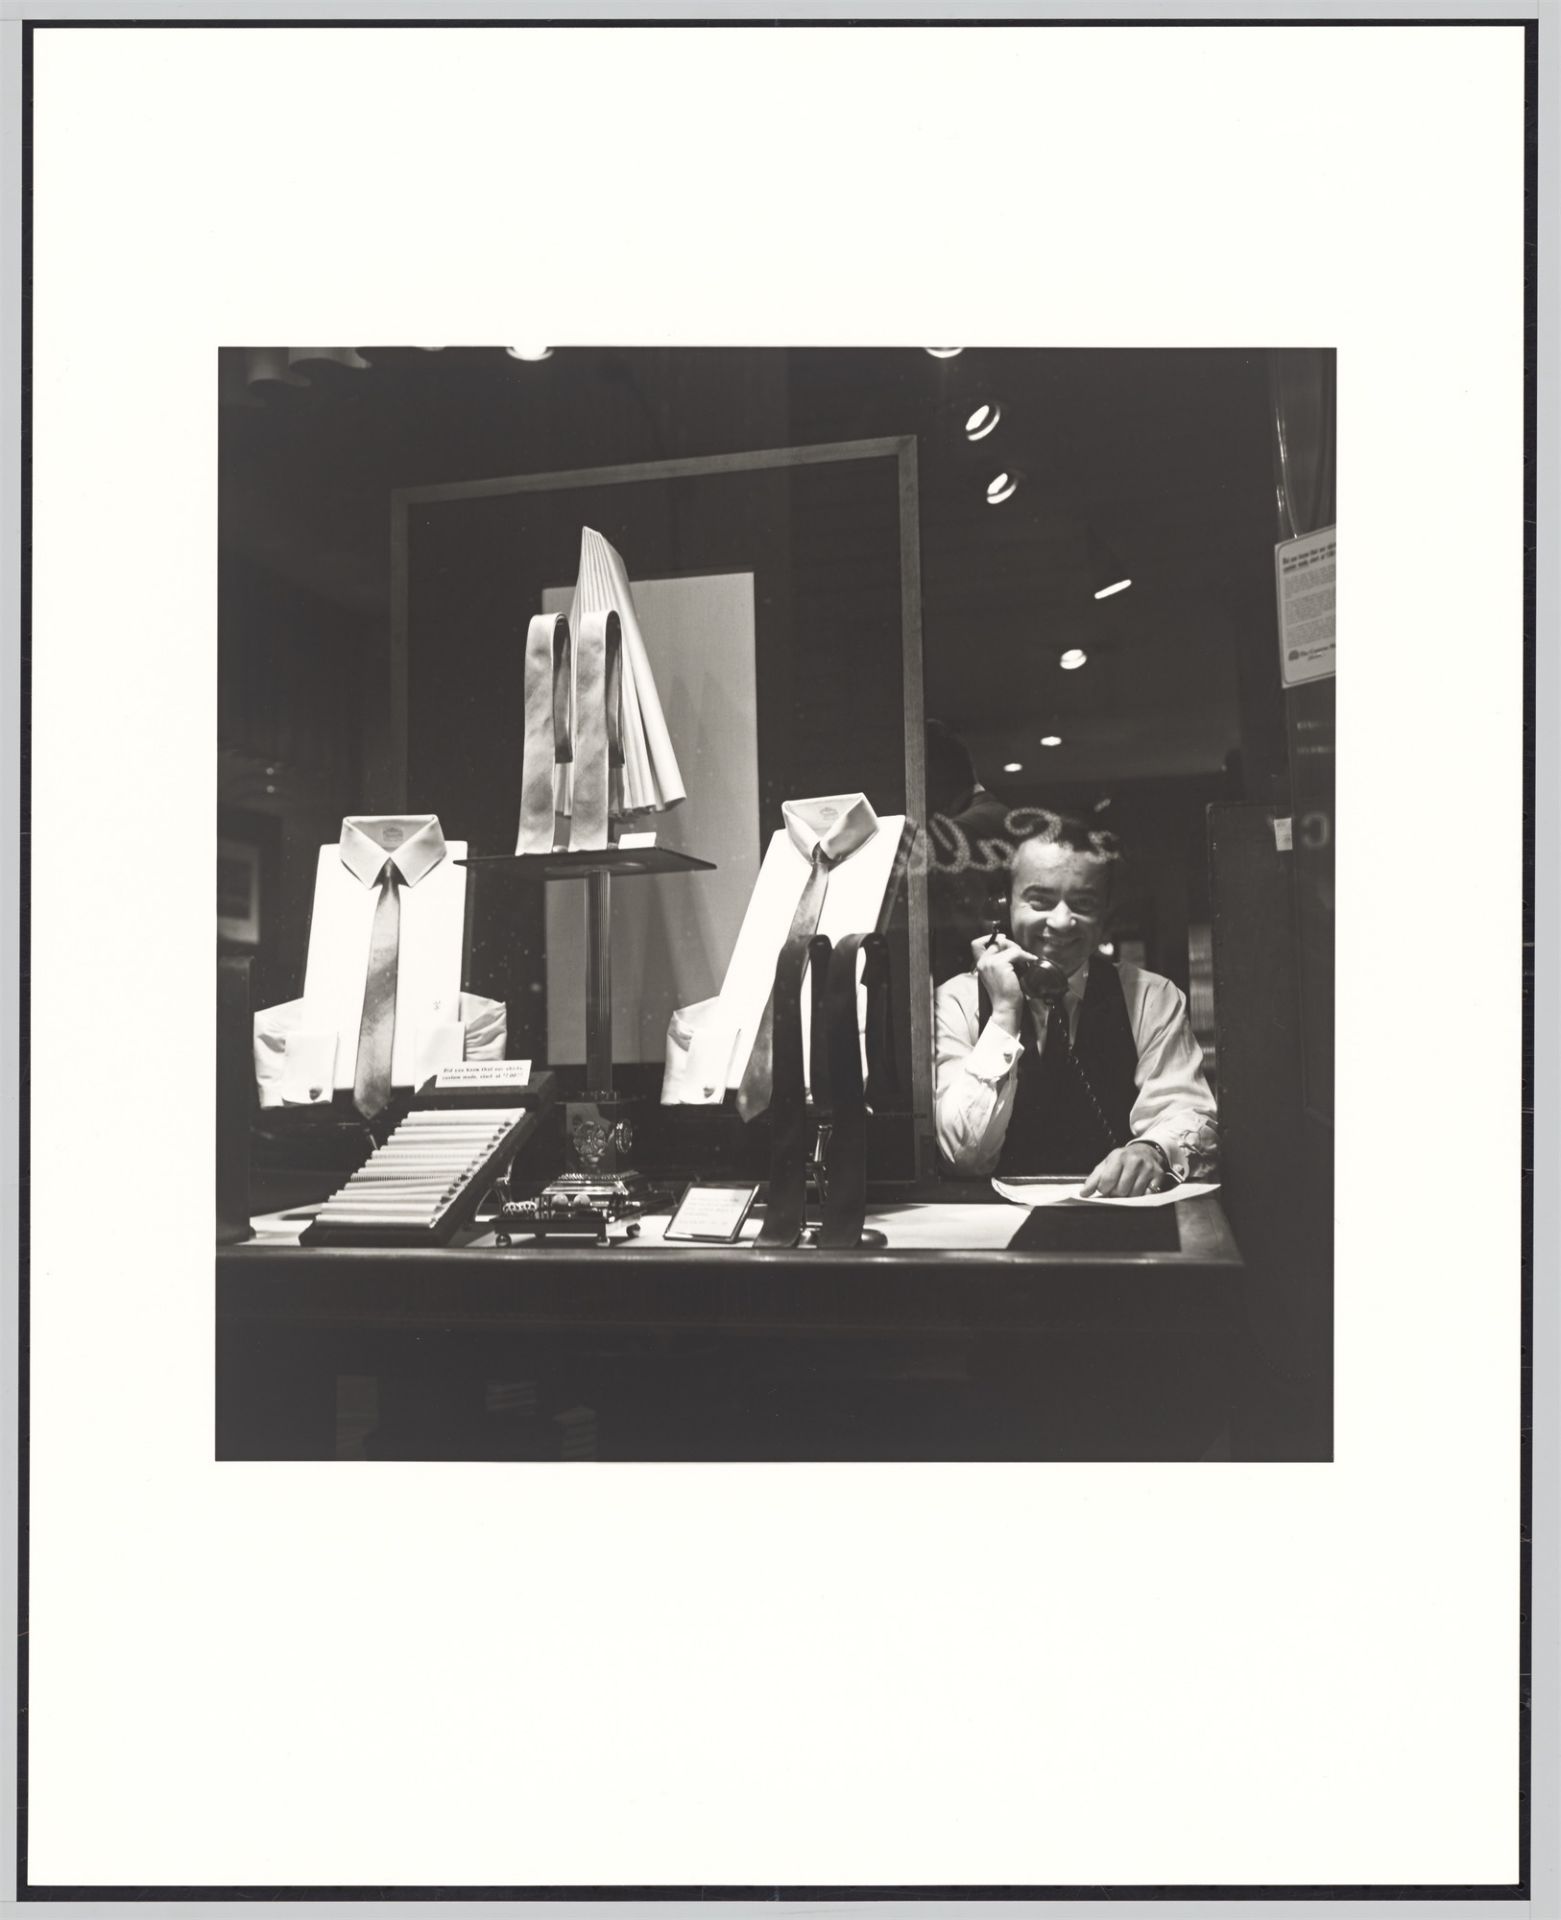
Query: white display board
x=673, y=934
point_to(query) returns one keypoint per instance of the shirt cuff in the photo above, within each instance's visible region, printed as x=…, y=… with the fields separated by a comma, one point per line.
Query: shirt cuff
x=1188, y=1155
x=1171, y=1162
x=992, y=1057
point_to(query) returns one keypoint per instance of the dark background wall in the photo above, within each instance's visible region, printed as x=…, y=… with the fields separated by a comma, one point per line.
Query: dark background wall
x=1164, y=458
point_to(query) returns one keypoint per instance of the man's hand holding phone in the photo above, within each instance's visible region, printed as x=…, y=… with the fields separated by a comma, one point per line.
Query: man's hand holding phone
x=994, y=955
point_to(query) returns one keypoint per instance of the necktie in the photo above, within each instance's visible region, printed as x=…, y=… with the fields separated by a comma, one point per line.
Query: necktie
x=547, y=728
x=820, y=947
x=882, y=1077
x=1071, y=1061
x=845, y=1201
x=1056, y=1045
x=376, y=1035
x=785, y=1205
x=753, y=1093
x=598, y=729
x=850, y=1101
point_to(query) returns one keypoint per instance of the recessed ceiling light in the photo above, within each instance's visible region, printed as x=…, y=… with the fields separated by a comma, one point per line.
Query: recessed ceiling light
x=944, y=353
x=529, y=353
x=1001, y=487
x=983, y=420
x=1013, y=766
x=1051, y=739
x=1074, y=657
x=1117, y=586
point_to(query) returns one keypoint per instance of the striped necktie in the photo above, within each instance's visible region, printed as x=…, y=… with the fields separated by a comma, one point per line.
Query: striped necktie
x=377, y=1034
x=753, y=1093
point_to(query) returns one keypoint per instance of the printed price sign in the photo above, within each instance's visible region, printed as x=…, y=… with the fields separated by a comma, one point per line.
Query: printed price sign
x=483, y=1073
x=1303, y=580
x=713, y=1213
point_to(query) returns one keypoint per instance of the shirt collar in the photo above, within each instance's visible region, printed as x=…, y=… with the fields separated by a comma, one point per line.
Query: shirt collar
x=838, y=822
x=413, y=841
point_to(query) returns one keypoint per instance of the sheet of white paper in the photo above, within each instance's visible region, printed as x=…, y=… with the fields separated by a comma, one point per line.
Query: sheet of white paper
x=1056, y=1193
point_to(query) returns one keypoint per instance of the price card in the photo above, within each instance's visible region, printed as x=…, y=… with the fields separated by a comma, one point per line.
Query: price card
x=713, y=1213
x=483, y=1073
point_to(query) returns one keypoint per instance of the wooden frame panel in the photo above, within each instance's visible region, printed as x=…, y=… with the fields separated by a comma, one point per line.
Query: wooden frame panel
x=899, y=448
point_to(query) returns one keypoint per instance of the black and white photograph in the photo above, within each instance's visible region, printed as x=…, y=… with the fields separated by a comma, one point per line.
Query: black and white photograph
x=878, y=803
x=861, y=1209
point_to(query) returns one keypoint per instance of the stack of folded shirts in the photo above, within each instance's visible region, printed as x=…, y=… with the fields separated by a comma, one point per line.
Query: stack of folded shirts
x=649, y=780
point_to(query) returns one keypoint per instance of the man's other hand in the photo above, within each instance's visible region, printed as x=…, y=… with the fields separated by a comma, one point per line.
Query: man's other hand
x=995, y=965
x=1130, y=1170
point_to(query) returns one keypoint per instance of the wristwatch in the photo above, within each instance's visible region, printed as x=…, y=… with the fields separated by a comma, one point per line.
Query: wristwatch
x=1161, y=1155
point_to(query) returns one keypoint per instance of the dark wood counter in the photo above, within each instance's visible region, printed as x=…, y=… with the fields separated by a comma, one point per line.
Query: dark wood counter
x=911, y=1351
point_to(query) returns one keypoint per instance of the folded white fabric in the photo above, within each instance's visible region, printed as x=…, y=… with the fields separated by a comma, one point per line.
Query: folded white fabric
x=487, y=1027
x=700, y=1044
x=295, y=1057
x=649, y=780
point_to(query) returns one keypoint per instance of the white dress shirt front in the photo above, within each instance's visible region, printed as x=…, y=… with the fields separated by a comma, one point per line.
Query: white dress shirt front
x=976, y=1073
x=861, y=846
x=432, y=893
x=708, y=1044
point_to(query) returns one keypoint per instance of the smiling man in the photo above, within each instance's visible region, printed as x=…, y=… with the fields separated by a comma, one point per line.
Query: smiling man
x=1105, y=1079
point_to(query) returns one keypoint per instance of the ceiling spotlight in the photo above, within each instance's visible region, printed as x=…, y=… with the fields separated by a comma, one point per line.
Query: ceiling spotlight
x=1051, y=739
x=529, y=353
x=1013, y=766
x=944, y=353
x=1001, y=487
x=983, y=420
x=1107, y=575
x=1074, y=657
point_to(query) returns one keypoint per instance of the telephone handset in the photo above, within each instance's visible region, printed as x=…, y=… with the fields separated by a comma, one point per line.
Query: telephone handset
x=1041, y=979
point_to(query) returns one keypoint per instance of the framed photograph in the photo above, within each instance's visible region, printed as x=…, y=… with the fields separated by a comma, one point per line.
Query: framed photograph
x=238, y=893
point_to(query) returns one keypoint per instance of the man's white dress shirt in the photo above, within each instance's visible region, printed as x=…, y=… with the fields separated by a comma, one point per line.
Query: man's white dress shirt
x=432, y=893
x=708, y=1044
x=976, y=1071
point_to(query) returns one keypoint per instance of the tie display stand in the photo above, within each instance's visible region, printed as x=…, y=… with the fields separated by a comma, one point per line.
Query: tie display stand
x=830, y=1106
x=598, y=1183
x=426, y=1179
x=817, y=1201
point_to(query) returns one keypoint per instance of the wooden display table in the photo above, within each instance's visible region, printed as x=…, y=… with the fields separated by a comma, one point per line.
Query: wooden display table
x=923, y=1349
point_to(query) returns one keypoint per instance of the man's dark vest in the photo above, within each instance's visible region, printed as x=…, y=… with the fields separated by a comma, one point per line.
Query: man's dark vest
x=1054, y=1126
